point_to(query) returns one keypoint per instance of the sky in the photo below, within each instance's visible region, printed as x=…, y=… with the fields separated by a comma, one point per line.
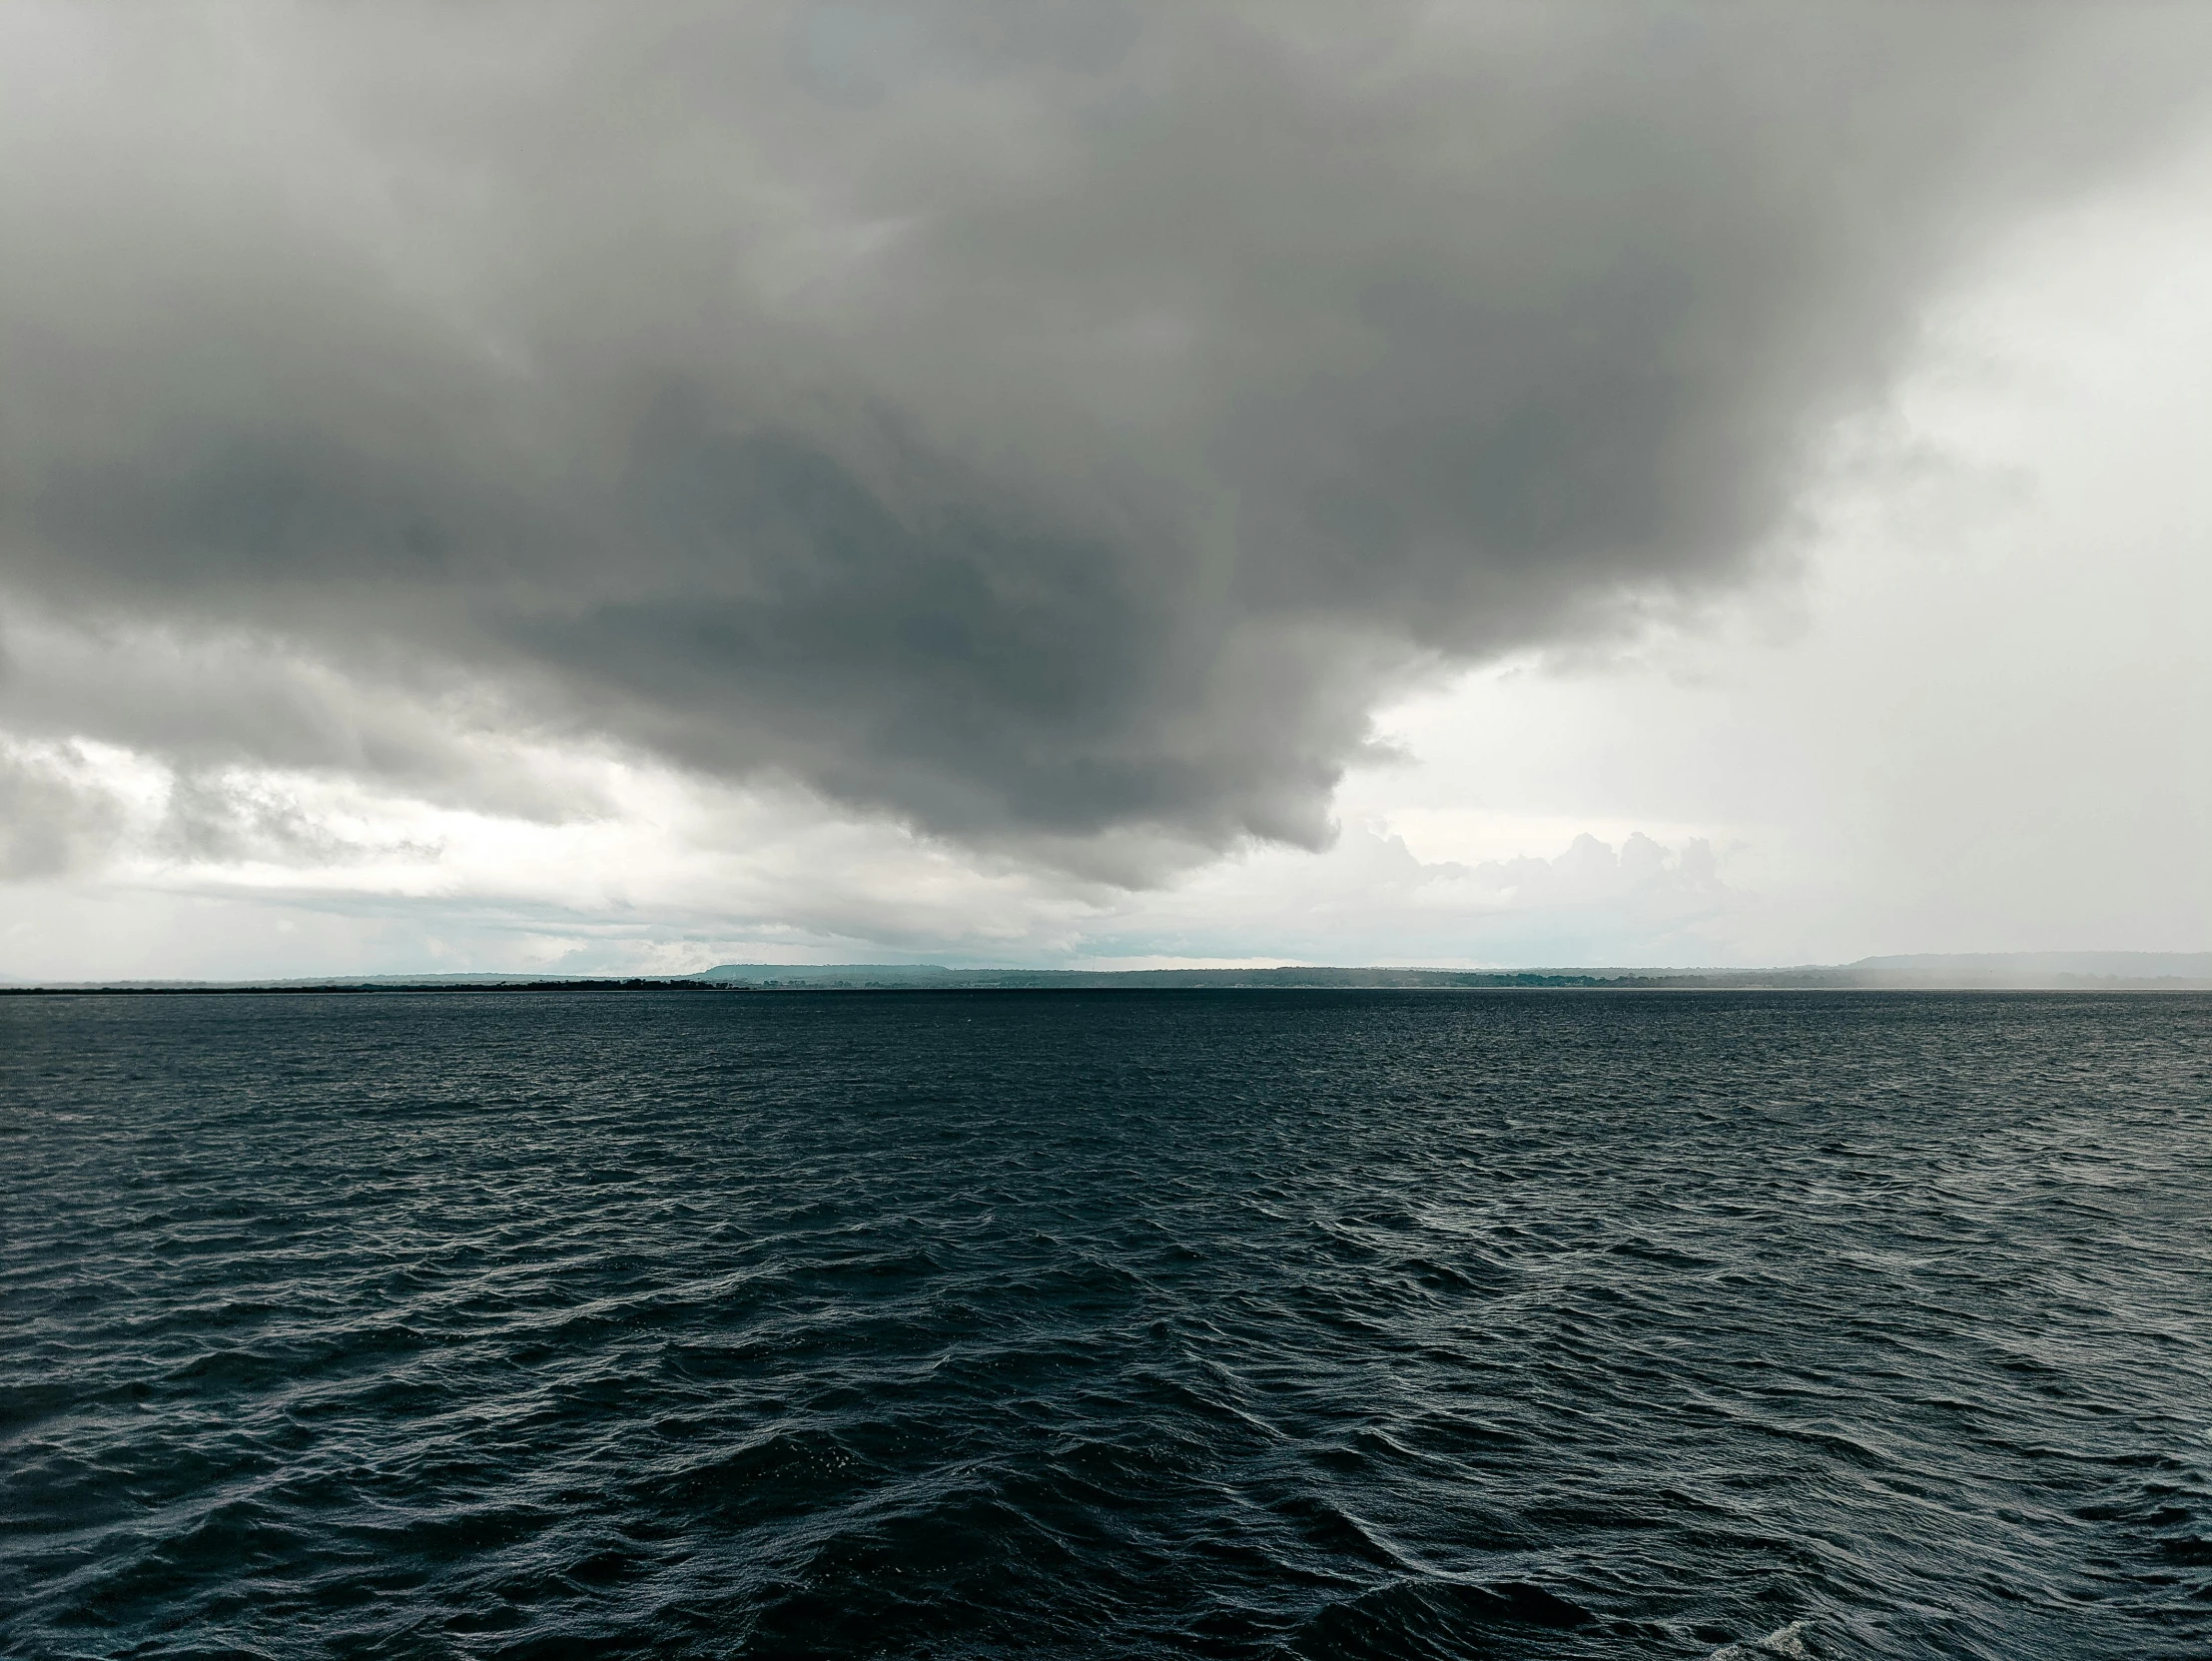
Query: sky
x=574, y=488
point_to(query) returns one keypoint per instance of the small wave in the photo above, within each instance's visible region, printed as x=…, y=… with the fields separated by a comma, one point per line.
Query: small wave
x=1413, y=1621
x=1784, y=1640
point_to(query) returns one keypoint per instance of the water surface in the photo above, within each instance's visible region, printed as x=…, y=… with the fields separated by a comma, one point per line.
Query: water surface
x=1390, y=1325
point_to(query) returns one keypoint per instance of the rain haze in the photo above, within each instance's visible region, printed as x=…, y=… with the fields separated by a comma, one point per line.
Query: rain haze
x=620, y=488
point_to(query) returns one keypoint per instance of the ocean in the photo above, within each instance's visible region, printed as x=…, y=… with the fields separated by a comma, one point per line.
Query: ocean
x=1107, y=1324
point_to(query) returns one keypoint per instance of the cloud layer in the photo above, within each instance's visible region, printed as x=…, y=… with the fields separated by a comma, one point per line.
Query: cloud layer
x=1051, y=428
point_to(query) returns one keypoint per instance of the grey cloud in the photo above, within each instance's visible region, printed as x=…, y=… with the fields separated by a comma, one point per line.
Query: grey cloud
x=54, y=818
x=214, y=701
x=61, y=813
x=213, y=817
x=1055, y=426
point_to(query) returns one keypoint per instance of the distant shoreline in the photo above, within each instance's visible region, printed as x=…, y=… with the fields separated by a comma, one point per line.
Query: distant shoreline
x=2085, y=986
x=1952, y=971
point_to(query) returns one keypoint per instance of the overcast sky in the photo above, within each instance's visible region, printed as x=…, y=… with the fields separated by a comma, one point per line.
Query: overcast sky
x=606, y=488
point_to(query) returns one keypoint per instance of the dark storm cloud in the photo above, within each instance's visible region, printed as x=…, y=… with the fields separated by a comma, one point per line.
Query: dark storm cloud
x=1036, y=422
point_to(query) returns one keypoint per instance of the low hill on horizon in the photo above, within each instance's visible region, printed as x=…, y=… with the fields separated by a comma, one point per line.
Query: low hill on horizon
x=2166, y=971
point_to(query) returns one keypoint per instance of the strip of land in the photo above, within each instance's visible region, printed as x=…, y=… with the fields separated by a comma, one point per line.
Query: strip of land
x=1979, y=971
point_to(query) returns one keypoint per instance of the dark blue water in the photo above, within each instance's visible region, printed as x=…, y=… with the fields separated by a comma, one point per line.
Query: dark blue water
x=1108, y=1325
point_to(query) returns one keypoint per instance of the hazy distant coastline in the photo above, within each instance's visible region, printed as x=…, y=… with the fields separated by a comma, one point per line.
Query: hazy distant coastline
x=1970, y=971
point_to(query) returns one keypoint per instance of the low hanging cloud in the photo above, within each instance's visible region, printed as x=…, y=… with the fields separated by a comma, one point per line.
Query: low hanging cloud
x=1053, y=427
